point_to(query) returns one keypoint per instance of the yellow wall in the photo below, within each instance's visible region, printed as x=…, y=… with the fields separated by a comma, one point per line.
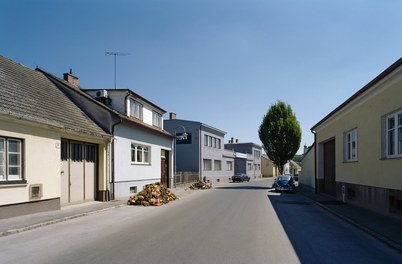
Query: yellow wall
x=366, y=114
x=41, y=160
x=306, y=176
x=42, y=167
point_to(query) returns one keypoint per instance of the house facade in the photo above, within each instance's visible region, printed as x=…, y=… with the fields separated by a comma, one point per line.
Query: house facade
x=201, y=152
x=268, y=168
x=358, y=146
x=141, y=150
x=51, y=152
x=248, y=158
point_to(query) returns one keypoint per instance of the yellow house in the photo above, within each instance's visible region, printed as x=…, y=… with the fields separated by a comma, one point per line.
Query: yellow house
x=268, y=168
x=358, y=146
x=51, y=152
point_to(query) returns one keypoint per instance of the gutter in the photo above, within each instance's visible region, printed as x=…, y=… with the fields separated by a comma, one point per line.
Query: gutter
x=315, y=161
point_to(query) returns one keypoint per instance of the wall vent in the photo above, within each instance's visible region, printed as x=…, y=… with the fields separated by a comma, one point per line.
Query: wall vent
x=35, y=191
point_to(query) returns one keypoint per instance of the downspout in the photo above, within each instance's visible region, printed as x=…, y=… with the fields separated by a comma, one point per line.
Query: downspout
x=113, y=157
x=199, y=158
x=315, y=161
x=113, y=146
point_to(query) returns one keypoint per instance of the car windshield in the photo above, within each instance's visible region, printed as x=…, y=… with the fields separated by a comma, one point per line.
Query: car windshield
x=284, y=178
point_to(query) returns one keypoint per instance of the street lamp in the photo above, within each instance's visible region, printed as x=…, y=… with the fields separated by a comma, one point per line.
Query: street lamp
x=182, y=136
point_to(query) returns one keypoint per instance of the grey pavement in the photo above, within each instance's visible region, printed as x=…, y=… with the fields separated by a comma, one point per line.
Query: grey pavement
x=384, y=228
x=387, y=229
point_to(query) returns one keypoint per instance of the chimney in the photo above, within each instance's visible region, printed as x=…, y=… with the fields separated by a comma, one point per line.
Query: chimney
x=71, y=79
x=172, y=116
x=237, y=141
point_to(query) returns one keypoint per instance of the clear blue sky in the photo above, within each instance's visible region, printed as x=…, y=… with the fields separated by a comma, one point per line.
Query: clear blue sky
x=220, y=62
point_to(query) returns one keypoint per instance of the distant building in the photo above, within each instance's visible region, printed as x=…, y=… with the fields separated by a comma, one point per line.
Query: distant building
x=248, y=158
x=200, y=154
x=268, y=168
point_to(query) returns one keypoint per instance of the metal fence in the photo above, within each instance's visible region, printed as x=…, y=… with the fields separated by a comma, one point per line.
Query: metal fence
x=186, y=177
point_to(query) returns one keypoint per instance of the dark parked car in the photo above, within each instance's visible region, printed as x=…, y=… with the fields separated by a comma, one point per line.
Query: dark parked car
x=240, y=177
x=284, y=183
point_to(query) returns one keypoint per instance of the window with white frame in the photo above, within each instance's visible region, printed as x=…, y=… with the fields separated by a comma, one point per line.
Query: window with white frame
x=229, y=165
x=249, y=166
x=140, y=154
x=136, y=109
x=205, y=140
x=10, y=159
x=207, y=164
x=351, y=145
x=394, y=135
x=156, y=119
x=217, y=165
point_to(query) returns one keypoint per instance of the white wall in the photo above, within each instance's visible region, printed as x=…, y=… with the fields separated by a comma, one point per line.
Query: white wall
x=128, y=174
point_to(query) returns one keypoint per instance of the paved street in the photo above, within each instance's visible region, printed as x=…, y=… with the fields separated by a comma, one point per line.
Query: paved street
x=233, y=223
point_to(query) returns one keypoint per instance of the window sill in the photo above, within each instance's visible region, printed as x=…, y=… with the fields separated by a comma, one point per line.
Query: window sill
x=390, y=158
x=350, y=161
x=13, y=184
x=142, y=164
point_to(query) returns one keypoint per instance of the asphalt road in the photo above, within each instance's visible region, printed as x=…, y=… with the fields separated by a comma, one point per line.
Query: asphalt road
x=233, y=223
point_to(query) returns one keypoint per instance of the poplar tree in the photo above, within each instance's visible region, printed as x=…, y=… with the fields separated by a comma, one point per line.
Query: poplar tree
x=280, y=134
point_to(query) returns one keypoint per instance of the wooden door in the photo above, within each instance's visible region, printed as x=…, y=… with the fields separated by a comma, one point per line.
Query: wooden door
x=329, y=168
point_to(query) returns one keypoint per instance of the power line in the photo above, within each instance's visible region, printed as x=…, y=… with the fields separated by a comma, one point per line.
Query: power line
x=115, y=54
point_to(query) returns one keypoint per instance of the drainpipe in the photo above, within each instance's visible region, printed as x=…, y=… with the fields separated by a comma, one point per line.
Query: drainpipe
x=113, y=157
x=315, y=161
x=200, y=162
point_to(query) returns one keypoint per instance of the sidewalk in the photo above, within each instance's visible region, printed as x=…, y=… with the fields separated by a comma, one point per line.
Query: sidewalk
x=384, y=228
x=23, y=223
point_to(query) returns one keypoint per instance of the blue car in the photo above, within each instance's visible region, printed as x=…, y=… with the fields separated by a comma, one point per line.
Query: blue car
x=284, y=183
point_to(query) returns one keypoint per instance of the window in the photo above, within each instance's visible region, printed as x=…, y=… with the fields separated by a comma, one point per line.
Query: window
x=257, y=153
x=90, y=153
x=249, y=166
x=10, y=159
x=76, y=152
x=394, y=135
x=229, y=165
x=156, y=119
x=140, y=154
x=136, y=109
x=207, y=164
x=212, y=142
x=217, y=165
x=351, y=146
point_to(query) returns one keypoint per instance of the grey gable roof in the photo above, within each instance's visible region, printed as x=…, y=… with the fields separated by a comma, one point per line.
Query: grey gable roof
x=29, y=95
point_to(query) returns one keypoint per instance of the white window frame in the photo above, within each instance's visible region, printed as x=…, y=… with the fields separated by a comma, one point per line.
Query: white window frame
x=140, y=154
x=7, y=157
x=229, y=165
x=136, y=109
x=207, y=164
x=393, y=135
x=156, y=119
x=351, y=145
x=217, y=165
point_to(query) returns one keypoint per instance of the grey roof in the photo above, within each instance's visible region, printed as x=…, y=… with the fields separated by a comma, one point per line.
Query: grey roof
x=29, y=95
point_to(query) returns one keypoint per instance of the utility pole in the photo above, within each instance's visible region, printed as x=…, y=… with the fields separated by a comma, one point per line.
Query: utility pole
x=115, y=54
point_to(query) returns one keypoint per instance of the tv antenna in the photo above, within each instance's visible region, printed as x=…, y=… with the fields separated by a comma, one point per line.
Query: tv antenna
x=115, y=54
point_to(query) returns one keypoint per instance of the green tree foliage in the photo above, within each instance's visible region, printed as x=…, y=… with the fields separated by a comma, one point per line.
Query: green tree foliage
x=280, y=134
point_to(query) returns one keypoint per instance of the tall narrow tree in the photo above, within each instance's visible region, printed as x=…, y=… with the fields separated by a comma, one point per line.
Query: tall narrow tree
x=280, y=134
